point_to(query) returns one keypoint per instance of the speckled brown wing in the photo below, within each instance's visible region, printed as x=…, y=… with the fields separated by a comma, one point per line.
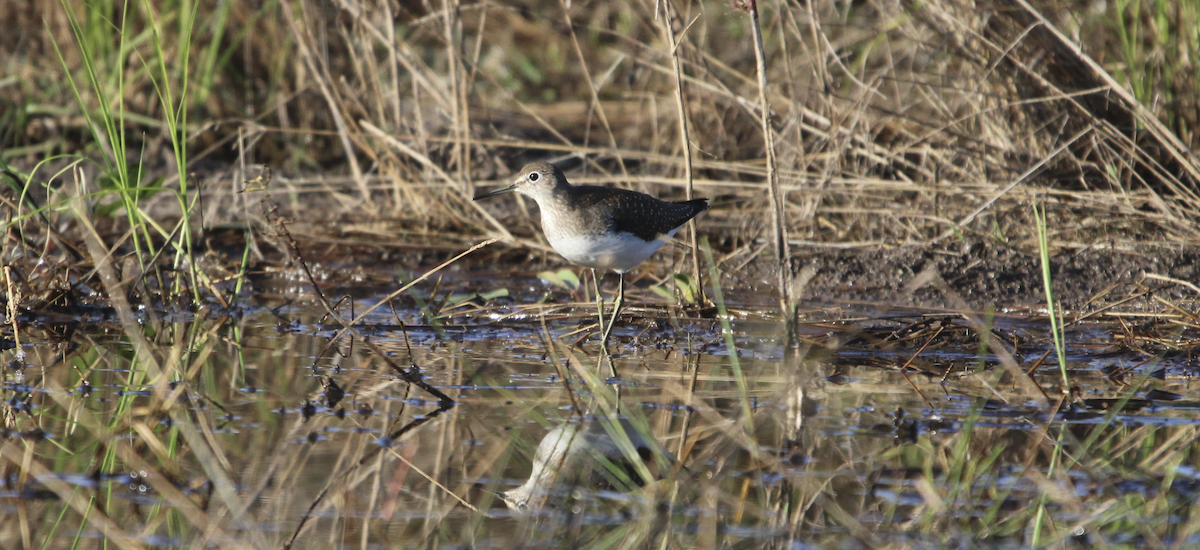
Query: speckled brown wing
x=638, y=213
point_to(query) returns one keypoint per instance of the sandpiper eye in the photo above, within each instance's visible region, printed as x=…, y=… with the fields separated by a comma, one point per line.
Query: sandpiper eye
x=533, y=176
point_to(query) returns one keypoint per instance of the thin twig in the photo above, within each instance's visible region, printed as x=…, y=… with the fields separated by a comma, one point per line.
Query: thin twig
x=776, y=195
x=685, y=140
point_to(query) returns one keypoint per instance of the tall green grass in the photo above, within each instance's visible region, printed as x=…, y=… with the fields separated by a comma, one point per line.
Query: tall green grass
x=1054, y=313
x=150, y=41
x=1159, y=49
x=735, y=363
x=147, y=48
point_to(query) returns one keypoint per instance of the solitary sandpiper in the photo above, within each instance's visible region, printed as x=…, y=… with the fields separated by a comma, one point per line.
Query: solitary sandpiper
x=600, y=227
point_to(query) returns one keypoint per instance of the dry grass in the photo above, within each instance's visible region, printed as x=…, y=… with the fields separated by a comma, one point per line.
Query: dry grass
x=945, y=115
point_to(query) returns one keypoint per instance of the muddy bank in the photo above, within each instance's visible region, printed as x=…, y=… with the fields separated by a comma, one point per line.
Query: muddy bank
x=981, y=274
x=954, y=274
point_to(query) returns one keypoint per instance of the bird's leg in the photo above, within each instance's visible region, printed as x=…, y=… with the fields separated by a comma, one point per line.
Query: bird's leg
x=616, y=310
x=599, y=299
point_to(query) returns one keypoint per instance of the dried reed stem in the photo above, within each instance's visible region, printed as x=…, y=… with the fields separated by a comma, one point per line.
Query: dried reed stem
x=591, y=85
x=322, y=79
x=778, y=227
x=685, y=141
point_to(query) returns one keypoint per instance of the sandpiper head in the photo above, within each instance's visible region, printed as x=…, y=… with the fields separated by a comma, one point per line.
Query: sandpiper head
x=534, y=180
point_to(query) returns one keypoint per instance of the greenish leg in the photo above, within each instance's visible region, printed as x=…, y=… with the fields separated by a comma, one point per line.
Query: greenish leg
x=599, y=300
x=616, y=311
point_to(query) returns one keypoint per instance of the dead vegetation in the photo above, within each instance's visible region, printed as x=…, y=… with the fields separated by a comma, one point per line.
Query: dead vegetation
x=894, y=122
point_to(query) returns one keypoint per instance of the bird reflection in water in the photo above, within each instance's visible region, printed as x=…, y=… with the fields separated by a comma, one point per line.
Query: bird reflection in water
x=594, y=454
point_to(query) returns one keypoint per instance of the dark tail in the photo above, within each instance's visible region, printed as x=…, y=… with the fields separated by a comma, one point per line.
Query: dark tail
x=699, y=204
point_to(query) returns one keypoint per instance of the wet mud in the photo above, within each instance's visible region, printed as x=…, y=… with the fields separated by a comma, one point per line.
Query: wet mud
x=979, y=275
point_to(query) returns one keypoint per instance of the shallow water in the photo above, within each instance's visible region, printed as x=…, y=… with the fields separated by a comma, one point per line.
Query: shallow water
x=869, y=427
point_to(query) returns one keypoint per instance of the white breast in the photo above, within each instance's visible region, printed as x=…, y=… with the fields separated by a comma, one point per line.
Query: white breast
x=619, y=252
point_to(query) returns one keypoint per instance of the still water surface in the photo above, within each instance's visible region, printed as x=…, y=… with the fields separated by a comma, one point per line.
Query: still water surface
x=868, y=427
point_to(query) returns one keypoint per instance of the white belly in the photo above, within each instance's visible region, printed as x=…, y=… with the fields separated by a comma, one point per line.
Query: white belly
x=620, y=252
